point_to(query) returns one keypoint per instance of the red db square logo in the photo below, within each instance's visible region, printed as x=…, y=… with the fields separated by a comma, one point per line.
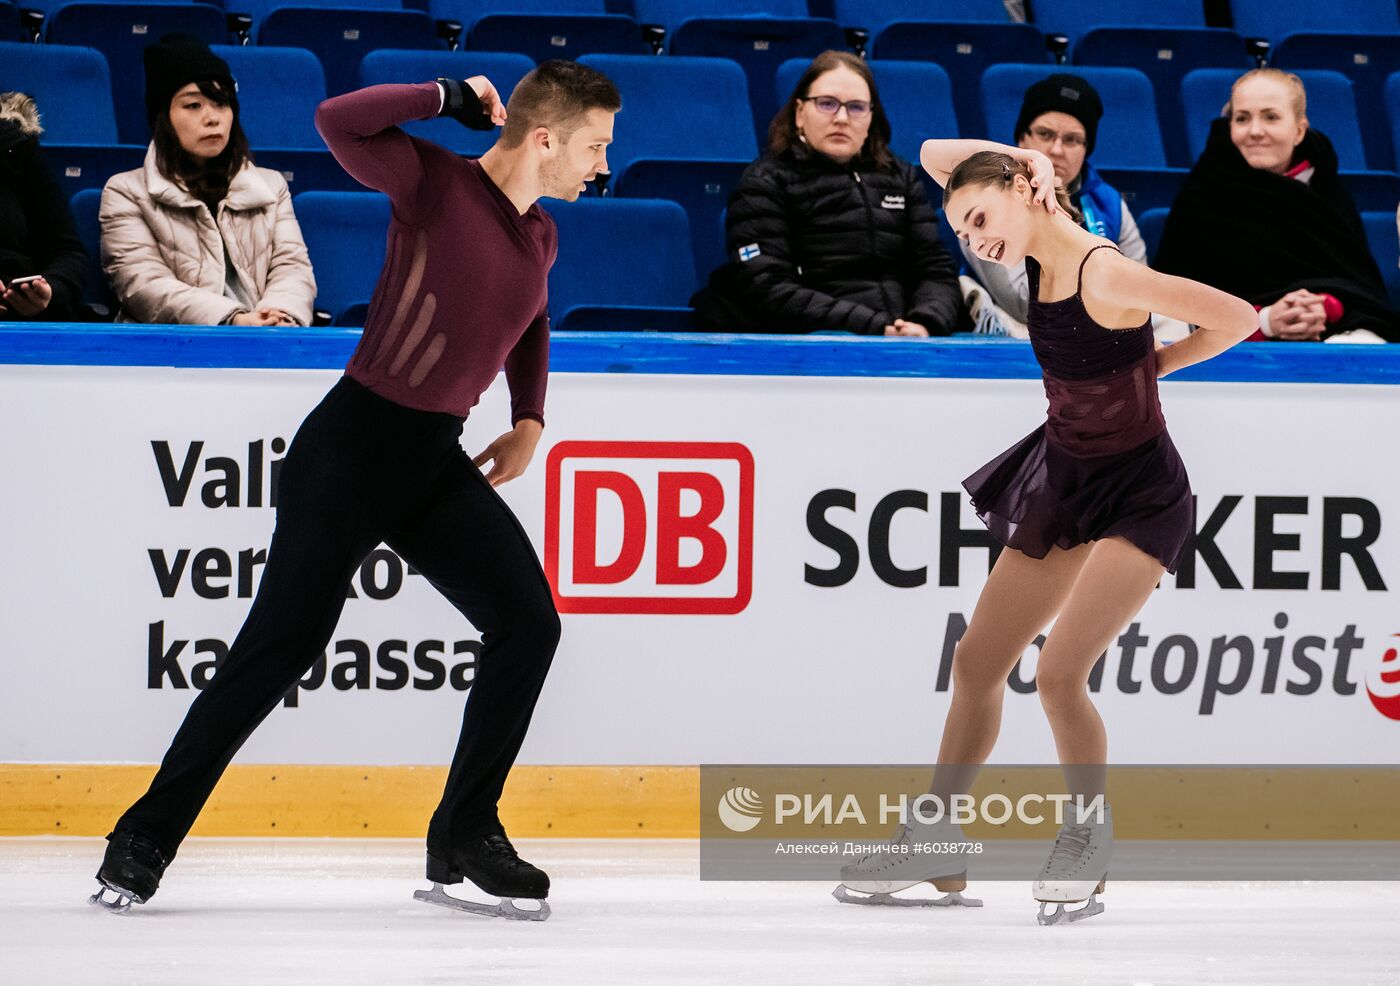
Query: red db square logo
x=649, y=527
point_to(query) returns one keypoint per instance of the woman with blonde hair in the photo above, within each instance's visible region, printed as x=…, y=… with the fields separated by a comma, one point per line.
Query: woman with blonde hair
x=1264, y=215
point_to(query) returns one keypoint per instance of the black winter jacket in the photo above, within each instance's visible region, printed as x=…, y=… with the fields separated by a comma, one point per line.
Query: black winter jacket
x=37, y=235
x=816, y=245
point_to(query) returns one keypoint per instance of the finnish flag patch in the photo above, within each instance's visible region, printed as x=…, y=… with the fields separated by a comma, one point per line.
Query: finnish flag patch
x=749, y=252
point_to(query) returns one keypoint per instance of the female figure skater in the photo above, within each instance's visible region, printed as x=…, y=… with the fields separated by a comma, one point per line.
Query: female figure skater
x=1092, y=507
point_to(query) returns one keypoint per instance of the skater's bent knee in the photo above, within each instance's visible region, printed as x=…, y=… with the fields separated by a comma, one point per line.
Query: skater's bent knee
x=976, y=671
x=537, y=620
x=1060, y=688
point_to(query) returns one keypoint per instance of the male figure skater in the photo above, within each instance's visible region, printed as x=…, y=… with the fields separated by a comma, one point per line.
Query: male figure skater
x=462, y=294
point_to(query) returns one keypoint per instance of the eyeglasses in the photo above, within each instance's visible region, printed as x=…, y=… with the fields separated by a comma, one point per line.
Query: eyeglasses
x=1047, y=136
x=856, y=109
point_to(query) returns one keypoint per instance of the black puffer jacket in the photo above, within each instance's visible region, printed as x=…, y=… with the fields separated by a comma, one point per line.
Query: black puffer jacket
x=36, y=227
x=815, y=245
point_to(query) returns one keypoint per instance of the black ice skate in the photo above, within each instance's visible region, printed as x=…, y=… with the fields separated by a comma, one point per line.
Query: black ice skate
x=131, y=870
x=492, y=864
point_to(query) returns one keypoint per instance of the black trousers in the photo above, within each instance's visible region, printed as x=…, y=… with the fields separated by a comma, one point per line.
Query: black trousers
x=362, y=470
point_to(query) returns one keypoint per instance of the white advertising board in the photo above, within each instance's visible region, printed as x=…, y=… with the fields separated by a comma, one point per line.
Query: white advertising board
x=751, y=569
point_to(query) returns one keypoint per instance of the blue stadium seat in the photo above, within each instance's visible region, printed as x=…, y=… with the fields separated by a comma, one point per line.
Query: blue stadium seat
x=1381, y=237
x=917, y=96
x=1146, y=188
x=1366, y=59
x=1165, y=55
x=1273, y=19
x=658, y=121
x=71, y=85
x=1372, y=191
x=1076, y=17
x=341, y=36
x=10, y=29
x=50, y=7
x=1129, y=135
x=701, y=188
x=1391, y=94
x=345, y=234
x=97, y=292
x=692, y=152
x=468, y=12
x=567, y=36
x=965, y=51
x=307, y=170
x=278, y=90
x=259, y=9
x=623, y=264
x=670, y=13
x=505, y=70
x=80, y=166
x=875, y=15
x=354, y=315
x=760, y=45
x=121, y=32
x=1150, y=225
x=1331, y=109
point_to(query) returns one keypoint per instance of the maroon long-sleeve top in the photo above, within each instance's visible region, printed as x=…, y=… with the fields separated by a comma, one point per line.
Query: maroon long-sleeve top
x=464, y=285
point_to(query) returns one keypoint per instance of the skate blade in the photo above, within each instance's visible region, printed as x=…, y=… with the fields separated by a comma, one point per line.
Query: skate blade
x=952, y=899
x=121, y=905
x=1061, y=916
x=507, y=908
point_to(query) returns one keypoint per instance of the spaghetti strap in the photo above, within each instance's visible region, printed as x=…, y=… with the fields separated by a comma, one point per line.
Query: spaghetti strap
x=1079, y=287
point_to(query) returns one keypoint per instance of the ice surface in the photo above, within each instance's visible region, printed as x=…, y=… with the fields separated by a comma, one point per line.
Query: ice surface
x=294, y=911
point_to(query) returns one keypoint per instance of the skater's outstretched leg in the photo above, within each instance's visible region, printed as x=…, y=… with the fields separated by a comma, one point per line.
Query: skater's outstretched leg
x=1115, y=582
x=469, y=545
x=326, y=499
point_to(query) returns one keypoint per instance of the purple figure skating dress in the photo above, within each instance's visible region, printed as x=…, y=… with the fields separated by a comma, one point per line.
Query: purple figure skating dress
x=1103, y=464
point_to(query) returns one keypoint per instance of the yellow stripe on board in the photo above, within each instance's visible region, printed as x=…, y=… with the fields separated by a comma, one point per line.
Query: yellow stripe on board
x=571, y=802
x=663, y=801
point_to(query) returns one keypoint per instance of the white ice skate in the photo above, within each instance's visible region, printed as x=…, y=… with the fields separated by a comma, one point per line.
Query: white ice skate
x=876, y=878
x=1076, y=870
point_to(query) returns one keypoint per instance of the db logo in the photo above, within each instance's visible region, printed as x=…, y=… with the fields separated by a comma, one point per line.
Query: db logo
x=649, y=527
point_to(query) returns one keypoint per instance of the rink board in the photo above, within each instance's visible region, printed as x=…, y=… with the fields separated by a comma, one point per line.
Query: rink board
x=760, y=547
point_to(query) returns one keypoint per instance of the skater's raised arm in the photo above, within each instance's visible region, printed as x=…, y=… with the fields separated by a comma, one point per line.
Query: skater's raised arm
x=940, y=158
x=362, y=131
x=1223, y=319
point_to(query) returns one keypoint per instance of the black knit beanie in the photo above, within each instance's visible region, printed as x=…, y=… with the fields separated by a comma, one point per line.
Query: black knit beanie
x=174, y=62
x=1063, y=93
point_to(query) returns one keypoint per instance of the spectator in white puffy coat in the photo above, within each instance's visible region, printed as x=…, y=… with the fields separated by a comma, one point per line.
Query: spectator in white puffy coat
x=198, y=235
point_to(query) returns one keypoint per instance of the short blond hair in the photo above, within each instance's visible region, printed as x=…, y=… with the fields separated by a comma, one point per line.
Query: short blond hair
x=1300, y=94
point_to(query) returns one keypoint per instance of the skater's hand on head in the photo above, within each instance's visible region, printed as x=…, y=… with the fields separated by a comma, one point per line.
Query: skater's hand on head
x=510, y=454
x=491, y=101
x=1043, y=180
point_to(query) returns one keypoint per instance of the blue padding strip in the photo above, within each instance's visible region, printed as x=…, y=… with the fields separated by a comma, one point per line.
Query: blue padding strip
x=692, y=354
